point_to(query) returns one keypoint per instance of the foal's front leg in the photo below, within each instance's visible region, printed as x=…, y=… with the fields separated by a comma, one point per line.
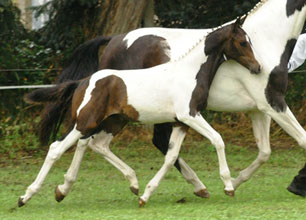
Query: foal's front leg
x=200, y=125
x=176, y=139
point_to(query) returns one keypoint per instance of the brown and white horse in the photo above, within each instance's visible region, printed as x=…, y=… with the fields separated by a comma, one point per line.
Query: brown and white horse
x=273, y=25
x=174, y=92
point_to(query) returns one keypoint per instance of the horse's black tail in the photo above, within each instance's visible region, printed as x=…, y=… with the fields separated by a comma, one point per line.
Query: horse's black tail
x=60, y=98
x=85, y=61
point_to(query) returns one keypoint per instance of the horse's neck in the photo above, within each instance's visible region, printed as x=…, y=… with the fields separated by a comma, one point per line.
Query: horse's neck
x=270, y=28
x=193, y=59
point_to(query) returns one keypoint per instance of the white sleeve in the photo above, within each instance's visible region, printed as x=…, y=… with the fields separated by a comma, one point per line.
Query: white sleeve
x=299, y=54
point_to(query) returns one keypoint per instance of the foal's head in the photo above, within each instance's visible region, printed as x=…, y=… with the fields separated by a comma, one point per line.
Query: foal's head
x=232, y=42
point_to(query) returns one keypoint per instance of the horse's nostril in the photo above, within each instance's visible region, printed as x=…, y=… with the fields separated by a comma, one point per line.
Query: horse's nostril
x=259, y=69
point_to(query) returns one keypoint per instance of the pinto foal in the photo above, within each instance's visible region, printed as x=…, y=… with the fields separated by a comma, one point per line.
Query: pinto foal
x=174, y=92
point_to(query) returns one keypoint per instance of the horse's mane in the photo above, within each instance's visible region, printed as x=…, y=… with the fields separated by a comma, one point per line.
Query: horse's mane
x=252, y=11
x=255, y=8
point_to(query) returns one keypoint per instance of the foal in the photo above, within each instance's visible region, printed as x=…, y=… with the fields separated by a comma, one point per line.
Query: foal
x=174, y=92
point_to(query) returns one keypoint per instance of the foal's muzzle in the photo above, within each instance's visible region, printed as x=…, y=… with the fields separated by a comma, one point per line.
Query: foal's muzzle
x=255, y=69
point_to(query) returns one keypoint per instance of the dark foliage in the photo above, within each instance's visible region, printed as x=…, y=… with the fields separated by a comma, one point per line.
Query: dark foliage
x=200, y=13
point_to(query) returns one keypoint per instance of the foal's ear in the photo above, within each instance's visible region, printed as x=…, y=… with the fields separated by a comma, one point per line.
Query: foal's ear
x=238, y=23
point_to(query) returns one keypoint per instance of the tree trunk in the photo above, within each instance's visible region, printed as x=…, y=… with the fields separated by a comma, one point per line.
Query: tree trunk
x=111, y=17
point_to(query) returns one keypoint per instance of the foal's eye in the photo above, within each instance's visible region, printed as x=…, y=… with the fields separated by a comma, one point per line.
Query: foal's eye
x=243, y=44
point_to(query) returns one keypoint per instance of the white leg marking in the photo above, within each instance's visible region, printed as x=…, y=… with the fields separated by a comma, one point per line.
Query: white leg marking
x=261, y=130
x=72, y=173
x=56, y=150
x=190, y=176
x=100, y=144
x=176, y=139
x=200, y=125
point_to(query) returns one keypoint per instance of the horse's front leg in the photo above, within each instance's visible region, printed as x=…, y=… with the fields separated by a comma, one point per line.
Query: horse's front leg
x=199, y=124
x=261, y=129
x=176, y=139
x=56, y=150
x=289, y=123
x=161, y=139
x=61, y=191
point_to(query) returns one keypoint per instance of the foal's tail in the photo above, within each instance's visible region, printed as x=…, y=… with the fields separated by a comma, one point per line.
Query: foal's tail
x=85, y=61
x=59, y=99
x=60, y=93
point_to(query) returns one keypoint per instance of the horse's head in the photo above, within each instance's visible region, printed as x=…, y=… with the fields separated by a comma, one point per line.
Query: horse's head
x=233, y=43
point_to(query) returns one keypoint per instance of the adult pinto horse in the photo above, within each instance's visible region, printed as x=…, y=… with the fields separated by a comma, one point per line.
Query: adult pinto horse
x=273, y=26
x=174, y=92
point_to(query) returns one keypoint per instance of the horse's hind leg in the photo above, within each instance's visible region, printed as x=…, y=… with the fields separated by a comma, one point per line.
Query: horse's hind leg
x=100, y=144
x=61, y=191
x=261, y=129
x=161, y=139
x=56, y=150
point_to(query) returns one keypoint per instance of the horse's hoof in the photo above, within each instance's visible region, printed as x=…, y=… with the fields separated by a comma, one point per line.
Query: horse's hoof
x=134, y=190
x=141, y=203
x=58, y=195
x=203, y=193
x=20, y=202
x=230, y=192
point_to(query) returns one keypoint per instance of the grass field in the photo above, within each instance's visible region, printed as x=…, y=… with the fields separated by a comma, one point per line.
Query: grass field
x=101, y=192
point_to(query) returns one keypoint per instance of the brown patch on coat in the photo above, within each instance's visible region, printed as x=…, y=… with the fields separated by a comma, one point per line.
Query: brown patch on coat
x=147, y=51
x=109, y=97
x=78, y=97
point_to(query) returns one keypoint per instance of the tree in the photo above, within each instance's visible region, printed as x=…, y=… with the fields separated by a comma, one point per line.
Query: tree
x=75, y=21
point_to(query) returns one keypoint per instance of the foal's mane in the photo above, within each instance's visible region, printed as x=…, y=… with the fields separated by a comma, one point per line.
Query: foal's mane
x=252, y=11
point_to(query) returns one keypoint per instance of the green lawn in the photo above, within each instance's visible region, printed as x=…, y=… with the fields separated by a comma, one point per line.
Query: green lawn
x=101, y=192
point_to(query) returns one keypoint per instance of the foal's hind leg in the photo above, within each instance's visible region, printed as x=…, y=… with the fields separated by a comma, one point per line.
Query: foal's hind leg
x=261, y=129
x=56, y=150
x=61, y=191
x=161, y=139
x=100, y=144
x=176, y=140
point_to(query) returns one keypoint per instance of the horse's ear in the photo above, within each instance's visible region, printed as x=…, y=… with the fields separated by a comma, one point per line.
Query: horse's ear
x=238, y=23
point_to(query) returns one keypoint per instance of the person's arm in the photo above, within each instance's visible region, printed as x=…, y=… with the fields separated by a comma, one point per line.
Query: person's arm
x=299, y=54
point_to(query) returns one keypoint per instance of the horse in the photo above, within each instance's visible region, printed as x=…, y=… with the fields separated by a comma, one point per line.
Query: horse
x=175, y=92
x=261, y=97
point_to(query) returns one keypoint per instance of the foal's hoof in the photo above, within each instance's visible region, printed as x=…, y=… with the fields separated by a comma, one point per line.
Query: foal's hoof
x=58, y=195
x=134, y=190
x=20, y=202
x=230, y=192
x=203, y=193
x=141, y=203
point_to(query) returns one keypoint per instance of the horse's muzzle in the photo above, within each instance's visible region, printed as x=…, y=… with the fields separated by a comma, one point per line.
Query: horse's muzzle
x=255, y=69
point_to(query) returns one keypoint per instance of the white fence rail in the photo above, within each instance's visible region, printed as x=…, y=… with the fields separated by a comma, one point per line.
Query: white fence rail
x=52, y=85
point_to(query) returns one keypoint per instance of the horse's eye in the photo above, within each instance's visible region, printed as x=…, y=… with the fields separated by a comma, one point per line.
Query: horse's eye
x=243, y=44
